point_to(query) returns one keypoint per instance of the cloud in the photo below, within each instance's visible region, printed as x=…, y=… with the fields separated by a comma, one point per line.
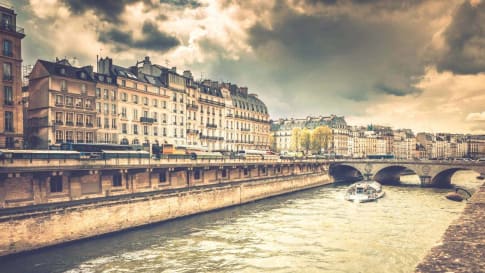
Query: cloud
x=182, y=3
x=476, y=116
x=464, y=51
x=152, y=39
x=108, y=10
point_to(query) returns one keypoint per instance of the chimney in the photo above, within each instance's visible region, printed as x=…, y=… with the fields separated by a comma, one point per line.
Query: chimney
x=188, y=74
x=243, y=90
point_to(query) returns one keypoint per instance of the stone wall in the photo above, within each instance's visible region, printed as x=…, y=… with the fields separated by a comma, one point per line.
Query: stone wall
x=28, y=231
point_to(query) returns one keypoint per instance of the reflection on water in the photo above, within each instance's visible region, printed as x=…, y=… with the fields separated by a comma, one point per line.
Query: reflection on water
x=310, y=231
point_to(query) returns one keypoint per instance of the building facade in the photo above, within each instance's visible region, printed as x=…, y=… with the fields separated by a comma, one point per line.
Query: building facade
x=11, y=110
x=145, y=104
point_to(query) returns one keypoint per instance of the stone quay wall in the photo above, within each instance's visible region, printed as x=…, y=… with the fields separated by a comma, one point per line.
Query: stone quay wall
x=462, y=248
x=33, y=229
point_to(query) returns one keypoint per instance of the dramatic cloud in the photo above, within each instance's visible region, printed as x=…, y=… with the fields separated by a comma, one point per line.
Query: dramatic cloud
x=415, y=63
x=465, y=40
x=109, y=10
x=152, y=39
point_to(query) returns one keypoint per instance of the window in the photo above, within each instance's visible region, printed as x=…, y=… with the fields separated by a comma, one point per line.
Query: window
x=224, y=173
x=89, y=121
x=98, y=107
x=123, y=83
x=83, y=88
x=98, y=122
x=79, y=103
x=155, y=103
x=246, y=171
x=117, y=182
x=135, y=114
x=145, y=130
x=89, y=137
x=56, y=184
x=162, y=177
x=124, y=97
x=113, y=109
x=69, y=136
x=106, y=123
x=113, y=95
x=105, y=108
x=98, y=93
x=59, y=118
x=7, y=72
x=7, y=48
x=8, y=121
x=80, y=137
x=70, y=119
x=7, y=95
x=145, y=100
x=113, y=123
x=197, y=174
x=123, y=128
x=88, y=104
x=79, y=119
x=59, y=136
x=63, y=85
x=123, y=112
x=105, y=94
x=135, y=129
x=134, y=98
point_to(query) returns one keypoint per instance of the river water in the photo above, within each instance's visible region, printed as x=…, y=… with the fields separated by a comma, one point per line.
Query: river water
x=310, y=231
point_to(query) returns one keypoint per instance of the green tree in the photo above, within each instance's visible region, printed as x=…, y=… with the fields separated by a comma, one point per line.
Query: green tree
x=295, y=142
x=306, y=136
x=321, y=138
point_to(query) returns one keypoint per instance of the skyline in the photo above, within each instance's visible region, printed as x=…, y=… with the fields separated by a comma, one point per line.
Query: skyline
x=373, y=62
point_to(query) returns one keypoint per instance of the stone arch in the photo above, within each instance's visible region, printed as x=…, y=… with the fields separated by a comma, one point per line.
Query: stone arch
x=344, y=172
x=391, y=174
x=442, y=178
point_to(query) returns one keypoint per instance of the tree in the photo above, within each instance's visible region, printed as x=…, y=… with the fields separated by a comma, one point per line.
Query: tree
x=295, y=139
x=272, y=143
x=321, y=138
x=306, y=140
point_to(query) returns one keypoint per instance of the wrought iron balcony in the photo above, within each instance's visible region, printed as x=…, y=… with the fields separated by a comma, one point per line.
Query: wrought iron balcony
x=147, y=120
x=12, y=28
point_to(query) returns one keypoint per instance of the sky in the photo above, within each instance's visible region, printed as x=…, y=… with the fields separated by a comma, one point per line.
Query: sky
x=406, y=64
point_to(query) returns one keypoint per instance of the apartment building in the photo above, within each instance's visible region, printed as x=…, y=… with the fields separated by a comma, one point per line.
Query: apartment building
x=11, y=111
x=61, y=104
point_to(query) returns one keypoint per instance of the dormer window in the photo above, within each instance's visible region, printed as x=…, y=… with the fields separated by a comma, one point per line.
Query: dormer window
x=101, y=77
x=83, y=75
x=62, y=71
x=108, y=79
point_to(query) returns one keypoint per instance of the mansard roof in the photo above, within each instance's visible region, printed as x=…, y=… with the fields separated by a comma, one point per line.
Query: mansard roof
x=64, y=69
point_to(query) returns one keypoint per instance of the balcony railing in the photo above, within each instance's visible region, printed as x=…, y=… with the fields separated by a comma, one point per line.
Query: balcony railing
x=192, y=107
x=192, y=131
x=12, y=28
x=90, y=125
x=212, y=102
x=8, y=102
x=69, y=123
x=8, y=78
x=147, y=120
x=208, y=125
x=59, y=122
x=80, y=124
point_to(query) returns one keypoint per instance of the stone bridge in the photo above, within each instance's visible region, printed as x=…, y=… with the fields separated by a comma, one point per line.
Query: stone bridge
x=431, y=172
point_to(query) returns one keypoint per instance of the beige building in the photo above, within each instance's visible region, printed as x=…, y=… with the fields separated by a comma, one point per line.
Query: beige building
x=61, y=104
x=11, y=112
x=145, y=104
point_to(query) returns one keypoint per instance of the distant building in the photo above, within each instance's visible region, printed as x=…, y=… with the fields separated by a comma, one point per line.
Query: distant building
x=11, y=110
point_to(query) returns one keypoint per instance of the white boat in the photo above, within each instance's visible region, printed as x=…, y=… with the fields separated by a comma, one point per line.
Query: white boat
x=364, y=191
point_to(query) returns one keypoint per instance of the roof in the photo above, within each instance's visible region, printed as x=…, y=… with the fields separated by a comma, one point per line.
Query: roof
x=66, y=70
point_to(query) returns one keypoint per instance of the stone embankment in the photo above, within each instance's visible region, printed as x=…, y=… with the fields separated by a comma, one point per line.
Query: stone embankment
x=462, y=249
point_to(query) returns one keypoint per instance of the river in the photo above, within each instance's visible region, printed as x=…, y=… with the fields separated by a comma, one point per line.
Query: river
x=310, y=231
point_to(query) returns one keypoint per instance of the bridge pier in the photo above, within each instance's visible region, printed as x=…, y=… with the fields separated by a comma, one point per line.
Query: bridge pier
x=425, y=180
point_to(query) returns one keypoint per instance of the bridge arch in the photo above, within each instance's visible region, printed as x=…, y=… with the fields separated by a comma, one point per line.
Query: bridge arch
x=343, y=172
x=391, y=174
x=442, y=178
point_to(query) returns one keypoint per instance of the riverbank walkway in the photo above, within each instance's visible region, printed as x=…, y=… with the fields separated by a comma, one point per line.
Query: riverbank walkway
x=463, y=245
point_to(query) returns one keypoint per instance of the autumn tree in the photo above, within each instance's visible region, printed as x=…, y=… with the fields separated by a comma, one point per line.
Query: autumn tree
x=295, y=140
x=321, y=138
x=306, y=142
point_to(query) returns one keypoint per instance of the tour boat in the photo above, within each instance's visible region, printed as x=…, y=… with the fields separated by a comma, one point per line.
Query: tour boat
x=364, y=191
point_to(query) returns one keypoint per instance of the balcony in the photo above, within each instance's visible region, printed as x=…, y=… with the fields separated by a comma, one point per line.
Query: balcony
x=192, y=132
x=8, y=103
x=58, y=122
x=59, y=104
x=69, y=123
x=12, y=28
x=212, y=102
x=79, y=124
x=147, y=120
x=8, y=78
x=208, y=125
x=192, y=107
x=89, y=125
